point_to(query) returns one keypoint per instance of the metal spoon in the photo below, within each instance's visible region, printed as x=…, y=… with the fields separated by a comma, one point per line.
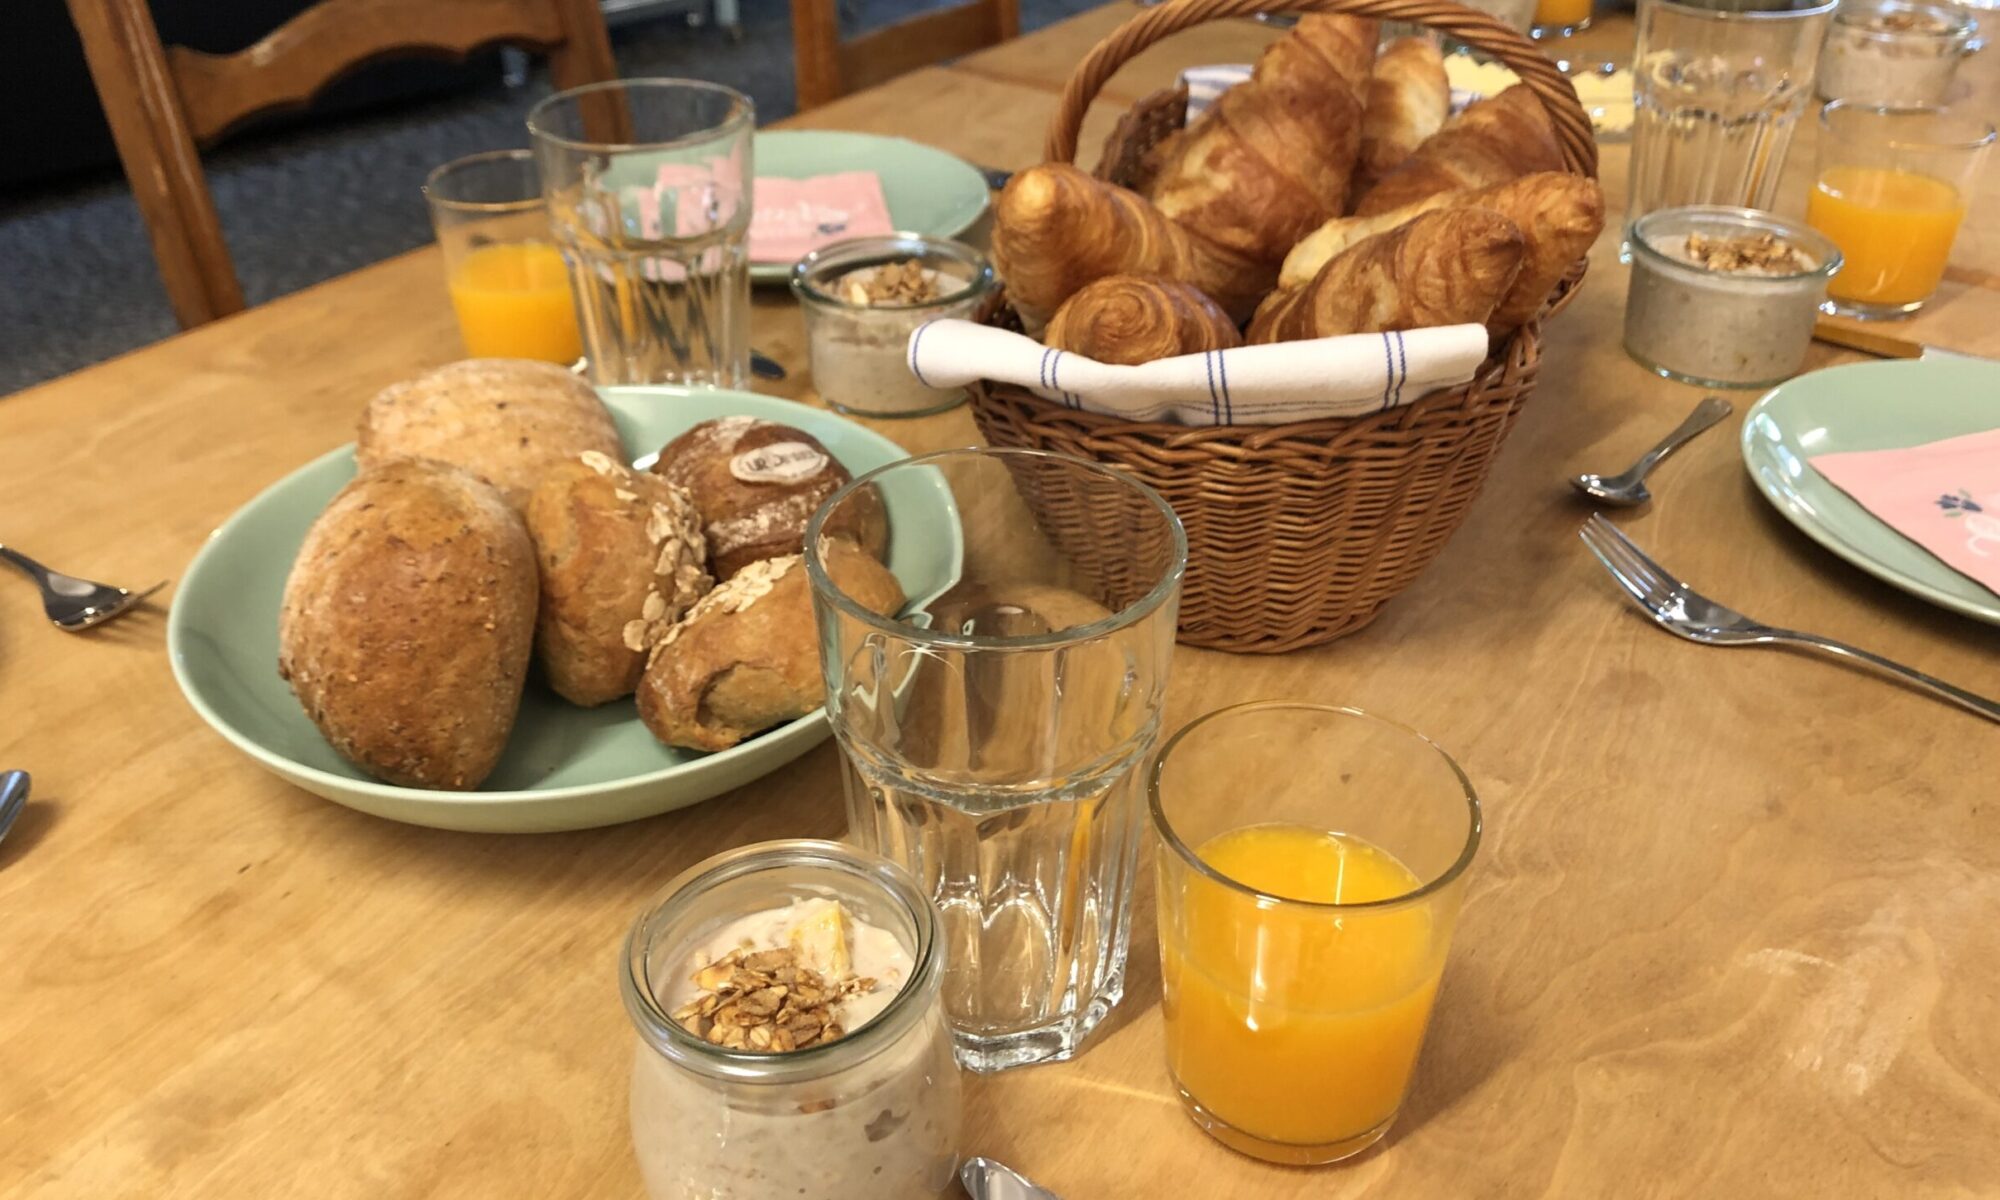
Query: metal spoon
x=985, y=1179
x=77, y=604
x=13, y=798
x=1628, y=488
x=763, y=366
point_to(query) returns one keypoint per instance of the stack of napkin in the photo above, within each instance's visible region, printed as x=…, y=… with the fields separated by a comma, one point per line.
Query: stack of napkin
x=1944, y=496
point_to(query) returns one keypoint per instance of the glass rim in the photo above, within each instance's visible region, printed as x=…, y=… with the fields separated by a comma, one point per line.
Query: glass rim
x=437, y=173
x=742, y=112
x=809, y=290
x=665, y=1035
x=1962, y=25
x=1830, y=258
x=1169, y=837
x=1893, y=142
x=1170, y=579
x=1754, y=14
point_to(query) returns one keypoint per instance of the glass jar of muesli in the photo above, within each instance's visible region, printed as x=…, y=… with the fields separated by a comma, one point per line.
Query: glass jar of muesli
x=792, y=1041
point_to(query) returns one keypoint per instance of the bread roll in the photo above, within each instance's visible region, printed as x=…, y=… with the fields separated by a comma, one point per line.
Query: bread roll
x=506, y=420
x=1496, y=139
x=757, y=483
x=1131, y=319
x=747, y=657
x=621, y=554
x=1445, y=268
x=407, y=624
x=1406, y=101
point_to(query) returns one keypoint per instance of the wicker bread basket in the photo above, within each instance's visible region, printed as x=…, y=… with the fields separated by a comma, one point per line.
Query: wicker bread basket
x=1297, y=534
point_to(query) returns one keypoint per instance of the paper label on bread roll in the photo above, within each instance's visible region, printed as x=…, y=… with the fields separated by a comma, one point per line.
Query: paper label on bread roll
x=779, y=462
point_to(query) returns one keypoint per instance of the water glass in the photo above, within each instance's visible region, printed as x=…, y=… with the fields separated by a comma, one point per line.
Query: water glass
x=508, y=285
x=1310, y=866
x=648, y=183
x=1719, y=88
x=1891, y=190
x=994, y=732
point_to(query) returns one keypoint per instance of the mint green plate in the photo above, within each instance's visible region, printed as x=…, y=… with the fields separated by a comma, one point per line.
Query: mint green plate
x=565, y=767
x=1871, y=406
x=928, y=190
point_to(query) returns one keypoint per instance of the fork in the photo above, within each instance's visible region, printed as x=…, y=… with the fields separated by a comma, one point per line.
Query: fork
x=1684, y=612
x=77, y=604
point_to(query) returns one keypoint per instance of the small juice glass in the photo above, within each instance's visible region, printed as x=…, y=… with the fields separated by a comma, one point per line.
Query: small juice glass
x=508, y=283
x=1310, y=868
x=1561, y=18
x=1891, y=190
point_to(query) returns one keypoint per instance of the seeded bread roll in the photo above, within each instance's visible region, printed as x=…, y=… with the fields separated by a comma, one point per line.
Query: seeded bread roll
x=621, y=553
x=747, y=656
x=507, y=420
x=757, y=483
x=407, y=624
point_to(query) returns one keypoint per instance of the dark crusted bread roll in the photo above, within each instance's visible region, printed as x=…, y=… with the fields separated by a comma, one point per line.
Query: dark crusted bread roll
x=756, y=484
x=621, y=554
x=407, y=623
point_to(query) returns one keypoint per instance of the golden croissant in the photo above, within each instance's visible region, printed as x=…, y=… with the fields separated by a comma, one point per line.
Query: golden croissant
x=1131, y=319
x=1496, y=139
x=1449, y=267
x=1407, y=100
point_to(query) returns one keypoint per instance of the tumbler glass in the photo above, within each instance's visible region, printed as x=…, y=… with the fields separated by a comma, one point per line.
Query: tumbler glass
x=508, y=285
x=1891, y=191
x=1311, y=863
x=1719, y=88
x=994, y=732
x=648, y=186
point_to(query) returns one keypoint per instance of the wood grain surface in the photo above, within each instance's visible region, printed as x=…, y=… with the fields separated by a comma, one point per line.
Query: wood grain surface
x=1732, y=931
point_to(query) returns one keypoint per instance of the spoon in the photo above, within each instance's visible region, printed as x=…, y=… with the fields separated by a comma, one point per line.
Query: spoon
x=985, y=1179
x=73, y=604
x=13, y=798
x=1628, y=488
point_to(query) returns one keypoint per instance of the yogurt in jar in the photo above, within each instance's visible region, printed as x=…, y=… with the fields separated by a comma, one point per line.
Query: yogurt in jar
x=1893, y=54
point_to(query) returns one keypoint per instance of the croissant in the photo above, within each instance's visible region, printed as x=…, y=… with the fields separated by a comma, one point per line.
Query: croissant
x=1499, y=138
x=1272, y=157
x=1132, y=319
x=1559, y=215
x=1406, y=101
x=1449, y=267
x=1056, y=229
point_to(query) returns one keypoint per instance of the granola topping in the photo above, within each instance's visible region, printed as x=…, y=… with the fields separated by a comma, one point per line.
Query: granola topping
x=1749, y=254
x=769, y=1001
x=898, y=283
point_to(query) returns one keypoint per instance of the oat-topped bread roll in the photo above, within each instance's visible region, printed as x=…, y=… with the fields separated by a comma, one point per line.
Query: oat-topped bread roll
x=747, y=656
x=407, y=624
x=622, y=558
x=756, y=484
x=506, y=420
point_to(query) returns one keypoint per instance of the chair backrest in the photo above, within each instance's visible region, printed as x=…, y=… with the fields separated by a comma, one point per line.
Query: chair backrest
x=828, y=68
x=165, y=104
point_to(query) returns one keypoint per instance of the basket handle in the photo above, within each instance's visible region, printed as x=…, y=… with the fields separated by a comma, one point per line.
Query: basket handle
x=1474, y=28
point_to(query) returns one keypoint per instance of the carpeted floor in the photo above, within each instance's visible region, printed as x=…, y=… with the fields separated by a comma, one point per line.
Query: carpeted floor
x=79, y=284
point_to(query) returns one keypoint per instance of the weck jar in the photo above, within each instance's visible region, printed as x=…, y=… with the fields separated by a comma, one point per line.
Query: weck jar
x=873, y=1113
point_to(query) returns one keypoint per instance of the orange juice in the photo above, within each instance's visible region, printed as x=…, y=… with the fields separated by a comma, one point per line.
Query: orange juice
x=1562, y=14
x=513, y=301
x=1894, y=228
x=1290, y=1023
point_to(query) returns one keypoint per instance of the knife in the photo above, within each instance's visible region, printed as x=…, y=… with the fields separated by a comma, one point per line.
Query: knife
x=13, y=798
x=1881, y=345
x=985, y=1179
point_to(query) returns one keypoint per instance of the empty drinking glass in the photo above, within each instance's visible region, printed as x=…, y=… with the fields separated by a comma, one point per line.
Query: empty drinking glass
x=1719, y=87
x=995, y=732
x=648, y=189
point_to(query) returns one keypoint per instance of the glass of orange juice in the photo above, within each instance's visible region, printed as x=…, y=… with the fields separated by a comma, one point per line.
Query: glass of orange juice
x=1891, y=190
x=1310, y=867
x=507, y=279
x=1561, y=18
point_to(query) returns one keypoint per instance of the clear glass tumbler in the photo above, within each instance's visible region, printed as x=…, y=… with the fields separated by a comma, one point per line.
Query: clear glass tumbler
x=1891, y=191
x=1719, y=88
x=648, y=183
x=994, y=732
x=1311, y=863
x=508, y=285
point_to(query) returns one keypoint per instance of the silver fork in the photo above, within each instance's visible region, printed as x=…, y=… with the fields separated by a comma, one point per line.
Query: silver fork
x=1682, y=611
x=76, y=604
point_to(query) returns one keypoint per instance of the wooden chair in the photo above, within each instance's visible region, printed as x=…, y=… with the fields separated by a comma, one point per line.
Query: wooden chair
x=164, y=104
x=828, y=68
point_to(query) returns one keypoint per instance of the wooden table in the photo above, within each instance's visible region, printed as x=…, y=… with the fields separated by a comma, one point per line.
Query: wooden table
x=1732, y=931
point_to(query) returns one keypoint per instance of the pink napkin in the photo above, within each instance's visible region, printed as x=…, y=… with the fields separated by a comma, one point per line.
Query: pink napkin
x=1944, y=496
x=795, y=216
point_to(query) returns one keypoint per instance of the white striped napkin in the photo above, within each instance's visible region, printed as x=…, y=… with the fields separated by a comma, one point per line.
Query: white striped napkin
x=1204, y=84
x=1251, y=385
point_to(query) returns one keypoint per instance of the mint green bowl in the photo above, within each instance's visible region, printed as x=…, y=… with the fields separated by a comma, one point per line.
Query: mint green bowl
x=565, y=767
